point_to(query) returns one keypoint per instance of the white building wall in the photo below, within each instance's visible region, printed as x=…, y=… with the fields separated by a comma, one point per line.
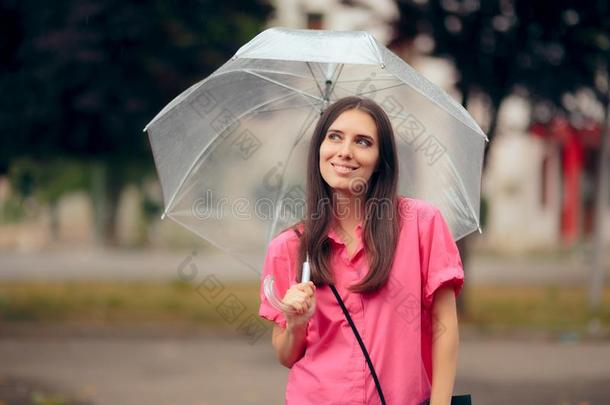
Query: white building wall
x=374, y=16
x=518, y=219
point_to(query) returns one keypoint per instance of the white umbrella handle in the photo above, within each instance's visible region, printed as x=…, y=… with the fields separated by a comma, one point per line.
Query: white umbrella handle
x=272, y=297
x=306, y=275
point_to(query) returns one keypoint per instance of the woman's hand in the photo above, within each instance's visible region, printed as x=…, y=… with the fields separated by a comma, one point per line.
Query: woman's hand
x=301, y=297
x=290, y=342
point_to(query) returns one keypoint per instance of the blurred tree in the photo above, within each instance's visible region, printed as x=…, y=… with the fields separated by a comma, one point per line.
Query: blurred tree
x=80, y=79
x=47, y=182
x=499, y=46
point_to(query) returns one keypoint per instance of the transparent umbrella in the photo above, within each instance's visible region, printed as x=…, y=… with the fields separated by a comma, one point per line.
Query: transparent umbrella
x=231, y=150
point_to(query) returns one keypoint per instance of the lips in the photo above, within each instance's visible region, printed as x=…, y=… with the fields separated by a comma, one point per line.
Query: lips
x=343, y=169
x=337, y=165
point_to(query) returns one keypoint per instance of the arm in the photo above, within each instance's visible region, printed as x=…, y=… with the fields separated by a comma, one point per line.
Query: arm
x=290, y=343
x=445, y=343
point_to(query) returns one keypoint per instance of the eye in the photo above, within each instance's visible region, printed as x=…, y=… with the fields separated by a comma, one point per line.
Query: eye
x=366, y=141
x=332, y=135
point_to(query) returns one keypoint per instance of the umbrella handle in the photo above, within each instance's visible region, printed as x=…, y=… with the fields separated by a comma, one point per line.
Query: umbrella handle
x=272, y=297
x=306, y=274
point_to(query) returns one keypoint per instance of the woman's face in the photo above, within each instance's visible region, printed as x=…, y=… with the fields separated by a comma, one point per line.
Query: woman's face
x=350, y=151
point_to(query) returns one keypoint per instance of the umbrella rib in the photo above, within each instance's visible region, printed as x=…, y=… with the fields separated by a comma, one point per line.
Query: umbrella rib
x=281, y=84
x=476, y=129
x=314, y=78
x=332, y=88
x=181, y=97
x=384, y=88
x=283, y=108
x=368, y=92
x=387, y=79
x=463, y=190
x=239, y=70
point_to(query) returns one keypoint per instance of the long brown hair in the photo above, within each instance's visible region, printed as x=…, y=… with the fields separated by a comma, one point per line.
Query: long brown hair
x=381, y=224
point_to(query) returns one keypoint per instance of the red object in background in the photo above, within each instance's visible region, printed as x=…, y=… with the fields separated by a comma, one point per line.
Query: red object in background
x=560, y=130
x=590, y=135
x=539, y=130
x=572, y=157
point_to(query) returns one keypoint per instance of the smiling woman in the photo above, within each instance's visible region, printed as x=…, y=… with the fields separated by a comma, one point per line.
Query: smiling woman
x=388, y=260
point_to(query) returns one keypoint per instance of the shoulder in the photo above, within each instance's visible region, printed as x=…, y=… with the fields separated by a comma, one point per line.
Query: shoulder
x=415, y=209
x=286, y=241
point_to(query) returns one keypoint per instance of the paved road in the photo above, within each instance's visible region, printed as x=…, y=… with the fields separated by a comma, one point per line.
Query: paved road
x=162, y=266
x=202, y=370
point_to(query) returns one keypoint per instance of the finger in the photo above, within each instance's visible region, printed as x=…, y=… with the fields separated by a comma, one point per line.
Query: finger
x=301, y=295
x=302, y=310
x=307, y=289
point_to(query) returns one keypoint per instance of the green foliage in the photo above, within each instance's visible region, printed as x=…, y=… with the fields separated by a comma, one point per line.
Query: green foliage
x=150, y=208
x=501, y=46
x=39, y=398
x=12, y=210
x=83, y=78
x=48, y=180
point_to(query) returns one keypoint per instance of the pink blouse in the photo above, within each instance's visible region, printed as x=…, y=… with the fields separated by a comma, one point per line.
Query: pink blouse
x=394, y=322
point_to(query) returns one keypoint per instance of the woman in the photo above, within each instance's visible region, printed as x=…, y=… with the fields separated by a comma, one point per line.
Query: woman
x=392, y=260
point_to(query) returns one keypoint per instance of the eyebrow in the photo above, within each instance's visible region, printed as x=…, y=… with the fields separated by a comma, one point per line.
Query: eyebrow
x=341, y=132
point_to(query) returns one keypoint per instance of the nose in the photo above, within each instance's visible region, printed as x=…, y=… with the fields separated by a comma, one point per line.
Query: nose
x=346, y=150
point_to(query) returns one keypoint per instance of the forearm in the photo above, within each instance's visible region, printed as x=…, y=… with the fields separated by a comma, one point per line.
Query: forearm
x=444, y=352
x=290, y=344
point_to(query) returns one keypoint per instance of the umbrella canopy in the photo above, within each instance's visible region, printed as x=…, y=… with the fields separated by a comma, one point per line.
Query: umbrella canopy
x=231, y=150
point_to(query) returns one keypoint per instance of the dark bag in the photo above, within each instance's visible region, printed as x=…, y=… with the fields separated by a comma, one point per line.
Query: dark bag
x=455, y=400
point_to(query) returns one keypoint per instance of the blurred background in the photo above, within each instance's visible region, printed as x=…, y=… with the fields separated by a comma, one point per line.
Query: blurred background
x=101, y=302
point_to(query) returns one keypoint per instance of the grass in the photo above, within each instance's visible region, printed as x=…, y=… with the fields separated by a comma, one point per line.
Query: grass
x=493, y=308
x=550, y=308
x=122, y=302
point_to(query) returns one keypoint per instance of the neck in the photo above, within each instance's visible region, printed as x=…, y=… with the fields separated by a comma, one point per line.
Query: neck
x=348, y=209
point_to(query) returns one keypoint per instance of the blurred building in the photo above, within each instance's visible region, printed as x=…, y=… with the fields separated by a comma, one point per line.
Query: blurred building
x=374, y=16
x=540, y=181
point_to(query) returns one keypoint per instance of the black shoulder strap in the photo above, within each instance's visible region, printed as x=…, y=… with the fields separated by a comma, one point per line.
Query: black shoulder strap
x=360, y=342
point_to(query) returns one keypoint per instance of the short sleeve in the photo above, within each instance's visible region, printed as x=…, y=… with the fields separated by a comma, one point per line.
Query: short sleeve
x=441, y=262
x=277, y=264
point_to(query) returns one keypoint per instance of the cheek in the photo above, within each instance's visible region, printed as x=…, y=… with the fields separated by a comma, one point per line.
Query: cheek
x=326, y=152
x=370, y=159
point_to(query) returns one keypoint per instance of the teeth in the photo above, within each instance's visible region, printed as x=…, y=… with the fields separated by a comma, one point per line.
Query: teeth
x=343, y=169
